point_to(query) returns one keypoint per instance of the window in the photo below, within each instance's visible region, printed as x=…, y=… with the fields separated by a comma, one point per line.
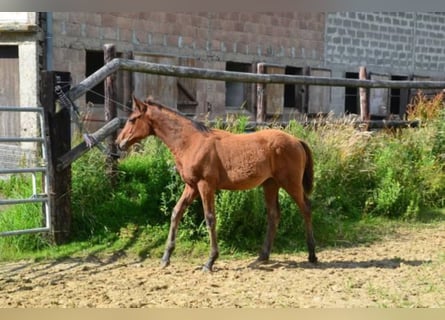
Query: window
x=238, y=94
x=94, y=61
x=398, y=97
x=352, y=101
x=294, y=94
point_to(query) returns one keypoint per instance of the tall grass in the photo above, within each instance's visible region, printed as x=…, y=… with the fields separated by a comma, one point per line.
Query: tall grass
x=359, y=176
x=20, y=216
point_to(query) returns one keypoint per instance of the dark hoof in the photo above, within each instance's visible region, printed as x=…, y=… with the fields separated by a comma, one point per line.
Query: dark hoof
x=313, y=259
x=263, y=257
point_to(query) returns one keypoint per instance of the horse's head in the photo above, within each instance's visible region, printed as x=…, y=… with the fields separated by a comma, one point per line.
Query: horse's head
x=137, y=126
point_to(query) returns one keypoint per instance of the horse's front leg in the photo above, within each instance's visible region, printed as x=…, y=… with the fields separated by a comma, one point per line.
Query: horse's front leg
x=188, y=195
x=208, y=202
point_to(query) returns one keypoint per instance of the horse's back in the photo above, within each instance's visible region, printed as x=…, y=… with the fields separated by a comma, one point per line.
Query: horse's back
x=249, y=159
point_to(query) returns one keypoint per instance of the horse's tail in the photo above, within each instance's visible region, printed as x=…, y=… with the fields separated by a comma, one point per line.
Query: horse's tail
x=308, y=176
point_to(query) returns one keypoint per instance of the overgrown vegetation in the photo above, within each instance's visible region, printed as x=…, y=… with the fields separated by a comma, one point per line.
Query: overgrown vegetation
x=363, y=181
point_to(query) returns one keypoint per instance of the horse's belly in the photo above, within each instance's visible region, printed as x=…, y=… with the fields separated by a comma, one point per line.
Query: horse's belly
x=244, y=164
x=245, y=177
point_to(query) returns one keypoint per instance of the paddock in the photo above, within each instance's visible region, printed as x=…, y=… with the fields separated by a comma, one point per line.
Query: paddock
x=405, y=269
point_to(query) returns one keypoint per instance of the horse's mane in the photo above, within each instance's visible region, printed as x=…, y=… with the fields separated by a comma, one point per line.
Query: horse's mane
x=196, y=124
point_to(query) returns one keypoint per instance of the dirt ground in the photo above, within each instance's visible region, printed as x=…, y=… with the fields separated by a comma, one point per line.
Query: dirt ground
x=405, y=270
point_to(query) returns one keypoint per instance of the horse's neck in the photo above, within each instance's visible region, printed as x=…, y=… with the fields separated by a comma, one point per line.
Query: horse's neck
x=172, y=130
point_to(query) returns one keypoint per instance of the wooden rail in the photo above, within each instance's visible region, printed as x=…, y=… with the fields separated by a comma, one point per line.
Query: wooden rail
x=61, y=156
x=110, y=127
x=212, y=74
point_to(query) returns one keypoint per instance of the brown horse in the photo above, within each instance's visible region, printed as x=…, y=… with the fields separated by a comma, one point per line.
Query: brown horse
x=209, y=160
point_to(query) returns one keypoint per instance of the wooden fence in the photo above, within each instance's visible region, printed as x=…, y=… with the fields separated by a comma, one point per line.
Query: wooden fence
x=59, y=139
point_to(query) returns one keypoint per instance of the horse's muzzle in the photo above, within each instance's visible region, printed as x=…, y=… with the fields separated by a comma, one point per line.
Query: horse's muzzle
x=122, y=145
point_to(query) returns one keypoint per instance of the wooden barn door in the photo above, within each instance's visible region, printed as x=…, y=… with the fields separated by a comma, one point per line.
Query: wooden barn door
x=319, y=100
x=162, y=88
x=9, y=90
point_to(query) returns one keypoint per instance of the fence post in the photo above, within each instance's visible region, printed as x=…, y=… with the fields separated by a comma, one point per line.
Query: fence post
x=127, y=79
x=261, y=99
x=364, y=107
x=58, y=138
x=110, y=110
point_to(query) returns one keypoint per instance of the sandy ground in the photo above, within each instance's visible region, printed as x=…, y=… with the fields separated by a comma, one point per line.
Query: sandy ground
x=405, y=270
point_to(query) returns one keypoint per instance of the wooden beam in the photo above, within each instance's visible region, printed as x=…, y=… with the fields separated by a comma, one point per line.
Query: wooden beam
x=127, y=79
x=19, y=27
x=72, y=155
x=210, y=74
x=110, y=110
x=58, y=135
x=190, y=72
x=261, y=96
x=370, y=124
x=364, y=106
x=95, y=78
x=387, y=124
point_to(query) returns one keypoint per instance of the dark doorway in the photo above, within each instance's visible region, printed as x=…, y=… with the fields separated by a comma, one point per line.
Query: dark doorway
x=352, y=104
x=94, y=61
x=294, y=94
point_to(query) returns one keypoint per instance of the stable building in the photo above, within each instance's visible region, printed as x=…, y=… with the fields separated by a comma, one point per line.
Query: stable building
x=392, y=46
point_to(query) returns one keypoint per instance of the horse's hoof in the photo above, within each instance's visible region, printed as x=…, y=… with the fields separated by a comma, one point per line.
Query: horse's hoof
x=207, y=269
x=313, y=259
x=164, y=263
x=262, y=258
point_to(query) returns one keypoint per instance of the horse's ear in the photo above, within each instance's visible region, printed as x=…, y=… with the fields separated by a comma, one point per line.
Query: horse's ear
x=139, y=105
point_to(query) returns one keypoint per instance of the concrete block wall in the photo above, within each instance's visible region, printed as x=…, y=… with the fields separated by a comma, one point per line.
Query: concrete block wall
x=429, y=49
x=386, y=42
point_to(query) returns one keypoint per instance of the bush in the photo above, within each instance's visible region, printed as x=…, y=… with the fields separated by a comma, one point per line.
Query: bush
x=343, y=170
x=409, y=167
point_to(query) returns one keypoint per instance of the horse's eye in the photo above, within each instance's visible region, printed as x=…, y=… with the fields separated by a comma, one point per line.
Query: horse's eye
x=132, y=120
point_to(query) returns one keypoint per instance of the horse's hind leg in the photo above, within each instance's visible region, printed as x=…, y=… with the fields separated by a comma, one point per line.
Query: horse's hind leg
x=304, y=204
x=270, y=188
x=307, y=215
x=189, y=194
x=208, y=202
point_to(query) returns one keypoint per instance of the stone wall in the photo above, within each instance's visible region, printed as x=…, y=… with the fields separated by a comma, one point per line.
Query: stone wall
x=393, y=43
x=287, y=38
x=211, y=39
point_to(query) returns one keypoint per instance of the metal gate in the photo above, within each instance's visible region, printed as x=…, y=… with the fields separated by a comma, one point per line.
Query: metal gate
x=41, y=167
